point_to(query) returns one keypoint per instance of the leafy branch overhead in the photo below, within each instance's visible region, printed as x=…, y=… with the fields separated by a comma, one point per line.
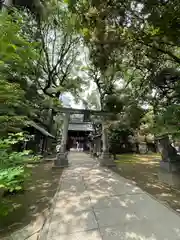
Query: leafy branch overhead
x=58, y=53
x=39, y=59
x=133, y=45
x=128, y=49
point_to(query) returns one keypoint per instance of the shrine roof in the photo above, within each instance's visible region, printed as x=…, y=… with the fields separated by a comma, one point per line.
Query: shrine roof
x=81, y=126
x=40, y=129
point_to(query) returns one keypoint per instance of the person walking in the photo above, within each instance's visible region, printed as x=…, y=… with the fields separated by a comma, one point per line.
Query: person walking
x=77, y=146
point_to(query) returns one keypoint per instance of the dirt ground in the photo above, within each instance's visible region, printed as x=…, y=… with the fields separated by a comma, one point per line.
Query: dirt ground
x=145, y=171
x=27, y=206
x=42, y=185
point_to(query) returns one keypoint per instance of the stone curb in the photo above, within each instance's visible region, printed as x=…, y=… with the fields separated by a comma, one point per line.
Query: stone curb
x=45, y=228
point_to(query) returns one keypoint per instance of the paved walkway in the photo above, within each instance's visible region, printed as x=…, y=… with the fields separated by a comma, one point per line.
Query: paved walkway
x=94, y=203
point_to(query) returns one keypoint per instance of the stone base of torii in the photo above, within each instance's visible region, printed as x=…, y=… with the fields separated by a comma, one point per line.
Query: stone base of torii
x=106, y=160
x=61, y=160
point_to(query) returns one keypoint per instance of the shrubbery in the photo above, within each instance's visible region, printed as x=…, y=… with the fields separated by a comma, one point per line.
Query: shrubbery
x=13, y=170
x=13, y=164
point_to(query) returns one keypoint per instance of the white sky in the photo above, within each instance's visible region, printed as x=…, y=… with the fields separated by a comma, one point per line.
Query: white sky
x=68, y=101
x=67, y=98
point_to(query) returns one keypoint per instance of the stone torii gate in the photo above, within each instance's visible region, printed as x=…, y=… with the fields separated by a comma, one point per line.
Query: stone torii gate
x=62, y=156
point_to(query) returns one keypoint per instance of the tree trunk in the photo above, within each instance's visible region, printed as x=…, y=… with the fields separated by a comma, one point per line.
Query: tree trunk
x=168, y=152
x=147, y=147
x=137, y=147
x=50, y=129
x=105, y=137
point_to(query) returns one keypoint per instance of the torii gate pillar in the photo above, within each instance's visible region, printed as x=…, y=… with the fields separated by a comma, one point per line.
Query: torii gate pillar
x=62, y=157
x=106, y=158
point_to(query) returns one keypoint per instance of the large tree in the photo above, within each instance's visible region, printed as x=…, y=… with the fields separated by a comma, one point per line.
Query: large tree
x=39, y=57
x=145, y=36
x=18, y=57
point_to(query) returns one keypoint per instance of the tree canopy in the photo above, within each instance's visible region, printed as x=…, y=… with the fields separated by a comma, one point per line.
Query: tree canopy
x=121, y=56
x=39, y=58
x=134, y=43
x=131, y=47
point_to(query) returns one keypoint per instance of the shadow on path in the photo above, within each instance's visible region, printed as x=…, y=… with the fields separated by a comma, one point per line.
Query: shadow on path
x=95, y=203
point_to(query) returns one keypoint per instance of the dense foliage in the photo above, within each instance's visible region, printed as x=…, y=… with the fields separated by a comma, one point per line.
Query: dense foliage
x=135, y=43
x=38, y=63
x=129, y=45
x=12, y=165
x=39, y=57
x=127, y=52
x=17, y=62
x=13, y=171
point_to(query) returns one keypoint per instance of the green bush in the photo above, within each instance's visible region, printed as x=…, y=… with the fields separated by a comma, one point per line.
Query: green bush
x=13, y=164
x=12, y=179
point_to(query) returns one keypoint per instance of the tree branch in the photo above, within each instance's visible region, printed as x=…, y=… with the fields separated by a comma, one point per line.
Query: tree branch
x=44, y=49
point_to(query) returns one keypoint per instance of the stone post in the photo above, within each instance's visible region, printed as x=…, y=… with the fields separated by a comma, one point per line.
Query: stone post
x=65, y=132
x=62, y=158
x=105, y=159
x=170, y=158
x=98, y=146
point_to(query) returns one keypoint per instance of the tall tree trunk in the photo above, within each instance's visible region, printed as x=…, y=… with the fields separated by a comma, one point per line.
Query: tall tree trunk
x=50, y=129
x=146, y=142
x=155, y=105
x=105, y=137
x=104, y=130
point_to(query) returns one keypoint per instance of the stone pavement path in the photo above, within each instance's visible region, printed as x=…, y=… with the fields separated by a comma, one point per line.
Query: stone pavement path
x=94, y=203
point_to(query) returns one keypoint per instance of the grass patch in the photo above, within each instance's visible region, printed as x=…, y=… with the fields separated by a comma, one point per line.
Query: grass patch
x=133, y=158
x=144, y=169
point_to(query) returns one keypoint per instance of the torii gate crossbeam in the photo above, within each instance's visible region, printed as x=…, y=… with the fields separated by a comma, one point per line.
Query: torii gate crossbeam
x=83, y=111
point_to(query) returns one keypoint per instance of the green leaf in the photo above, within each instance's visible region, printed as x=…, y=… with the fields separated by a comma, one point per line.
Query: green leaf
x=85, y=32
x=18, y=188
